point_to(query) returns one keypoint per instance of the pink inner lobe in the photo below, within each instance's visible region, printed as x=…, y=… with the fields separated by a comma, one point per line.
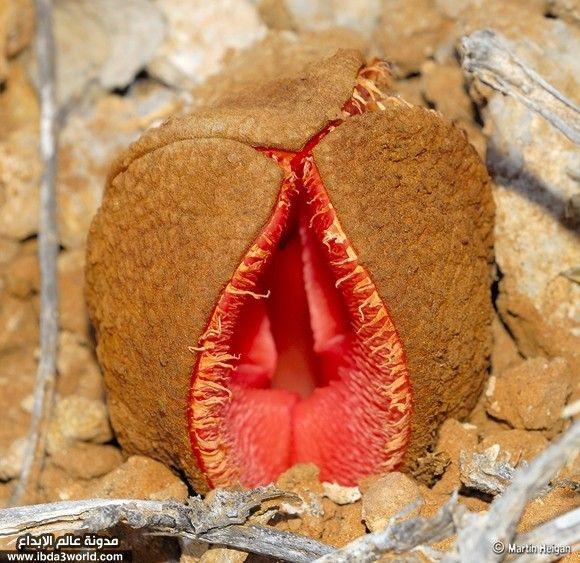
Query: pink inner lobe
x=300, y=361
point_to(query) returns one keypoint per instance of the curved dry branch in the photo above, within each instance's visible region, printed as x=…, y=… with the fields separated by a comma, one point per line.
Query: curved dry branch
x=48, y=248
x=563, y=530
x=488, y=55
x=220, y=520
x=400, y=536
x=480, y=531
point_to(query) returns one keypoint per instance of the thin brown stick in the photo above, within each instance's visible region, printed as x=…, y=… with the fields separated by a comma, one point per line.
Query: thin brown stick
x=489, y=56
x=400, y=537
x=561, y=531
x=480, y=531
x=221, y=520
x=477, y=532
x=47, y=254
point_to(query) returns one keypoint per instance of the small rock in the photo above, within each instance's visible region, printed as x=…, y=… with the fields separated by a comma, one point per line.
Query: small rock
x=443, y=87
x=11, y=460
x=386, y=496
x=223, y=555
x=323, y=14
x=8, y=250
x=16, y=29
x=475, y=504
x=72, y=308
x=15, y=366
x=300, y=478
x=83, y=420
x=18, y=102
x=78, y=370
x=411, y=90
x=409, y=32
x=341, y=524
x=200, y=33
x=18, y=323
x=87, y=461
x=276, y=15
x=568, y=10
x=191, y=550
x=432, y=501
x=103, y=42
x=19, y=176
x=6, y=490
x=453, y=437
x=519, y=444
x=318, y=517
x=339, y=494
x=22, y=275
x=489, y=471
x=485, y=424
x=55, y=440
x=139, y=477
x=56, y=483
x=531, y=395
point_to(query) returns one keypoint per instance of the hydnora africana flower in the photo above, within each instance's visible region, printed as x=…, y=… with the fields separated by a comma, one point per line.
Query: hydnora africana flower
x=298, y=273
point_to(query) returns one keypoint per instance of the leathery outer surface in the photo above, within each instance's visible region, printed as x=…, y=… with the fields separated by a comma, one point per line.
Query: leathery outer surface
x=316, y=197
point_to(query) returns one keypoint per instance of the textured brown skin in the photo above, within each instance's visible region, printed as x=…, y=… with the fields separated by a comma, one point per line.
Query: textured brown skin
x=414, y=199
x=169, y=234
x=184, y=203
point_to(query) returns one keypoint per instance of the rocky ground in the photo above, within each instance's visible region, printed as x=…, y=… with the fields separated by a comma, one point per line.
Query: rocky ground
x=123, y=68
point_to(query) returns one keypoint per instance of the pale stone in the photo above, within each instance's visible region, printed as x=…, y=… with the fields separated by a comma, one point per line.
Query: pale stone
x=11, y=460
x=535, y=170
x=139, y=477
x=19, y=177
x=223, y=555
x=532, y=394
x=200, y=33
x=339, y=494
x=518, y=444
x=103, y=43
x=323, y=14
x=78, y=370
x=83, y=420
x=388, y=496
x=18, y=323
x=87, y=461
x=16, y=29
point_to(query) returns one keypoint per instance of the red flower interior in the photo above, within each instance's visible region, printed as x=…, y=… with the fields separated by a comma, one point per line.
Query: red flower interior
x=300, y=361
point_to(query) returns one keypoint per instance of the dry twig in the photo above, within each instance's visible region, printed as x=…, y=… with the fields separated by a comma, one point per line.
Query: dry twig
x=563, y=530
x=223, y=519
x=478, y=532
x=489, y=56
x=400, y=537
x=220, y=520
x=47, y=251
